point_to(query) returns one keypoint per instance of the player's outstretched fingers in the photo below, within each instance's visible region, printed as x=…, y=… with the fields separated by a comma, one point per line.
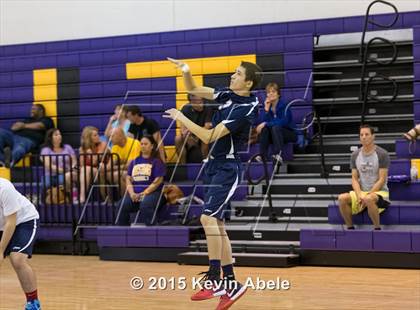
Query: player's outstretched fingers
x=171, y=113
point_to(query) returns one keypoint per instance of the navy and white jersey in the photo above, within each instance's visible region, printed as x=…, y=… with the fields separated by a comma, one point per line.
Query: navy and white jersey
x=237, y=113
x=11, y=201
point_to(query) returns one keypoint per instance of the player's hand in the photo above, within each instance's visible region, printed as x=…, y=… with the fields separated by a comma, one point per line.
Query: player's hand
x=260, y=127
x=172, y=113
x=178, y=63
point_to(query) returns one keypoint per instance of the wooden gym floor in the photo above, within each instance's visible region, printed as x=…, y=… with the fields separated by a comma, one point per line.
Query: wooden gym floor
x=85, y=282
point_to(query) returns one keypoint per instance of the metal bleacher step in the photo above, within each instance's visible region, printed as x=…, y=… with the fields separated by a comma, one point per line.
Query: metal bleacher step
x=291, y=176
x=280, y=219
x=243, y=259
x=294, y=196
x=353, y=81
x=356, y=118
x=356, y=63
x=355, y=100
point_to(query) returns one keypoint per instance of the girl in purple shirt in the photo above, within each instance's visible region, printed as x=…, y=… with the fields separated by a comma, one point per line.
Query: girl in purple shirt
x=144, y=184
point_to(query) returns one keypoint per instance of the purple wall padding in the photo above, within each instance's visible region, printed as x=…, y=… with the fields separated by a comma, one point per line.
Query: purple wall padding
x=357, y=240
x=294, y=61
x=416, y=90
x=297, y=78
x=307, y=26
x=411, y=19
x=332, y=25
x=416, y=51
x=417, y=71
x=317, y=239
x=416, y=36
x=391, y=241
x=416, y=110
x=400, y=167
x=141, y=237
x=402, y=149
x=320, y=26
x=112, y=236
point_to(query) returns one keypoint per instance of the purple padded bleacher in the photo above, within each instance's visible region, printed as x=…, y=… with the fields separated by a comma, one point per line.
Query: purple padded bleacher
x=415, y=241
x=55, y=233
x=359, y=240
x=391, y=216
x=143, y=236
x=392, y=241
x=404, y=192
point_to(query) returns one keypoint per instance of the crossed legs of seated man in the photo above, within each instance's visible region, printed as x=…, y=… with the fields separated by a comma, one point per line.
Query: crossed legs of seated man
x=351, y=203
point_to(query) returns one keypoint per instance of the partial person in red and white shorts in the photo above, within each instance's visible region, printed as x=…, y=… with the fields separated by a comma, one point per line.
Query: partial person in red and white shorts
x=19, y=222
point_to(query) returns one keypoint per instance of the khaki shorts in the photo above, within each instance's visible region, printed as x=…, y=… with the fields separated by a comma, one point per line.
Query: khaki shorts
x=382, y=202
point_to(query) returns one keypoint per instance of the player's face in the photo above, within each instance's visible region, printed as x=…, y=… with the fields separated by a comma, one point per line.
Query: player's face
x=237, y=80
x=57, y=138
x=366, y=137
x=146, y=146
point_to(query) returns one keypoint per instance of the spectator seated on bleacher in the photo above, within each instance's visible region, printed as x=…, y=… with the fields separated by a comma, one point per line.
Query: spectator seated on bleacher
x=188, y=147
x=127, y=149
x=141, y=126
x=24, y=136
x=369, y=169
x=59, y=161
x=117, y=120
x=144, y=184
x=278, y=127
x=92, y=151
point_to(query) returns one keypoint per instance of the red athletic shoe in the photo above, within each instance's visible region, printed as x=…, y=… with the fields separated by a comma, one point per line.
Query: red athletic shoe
x=210, y=288
x=231, y=296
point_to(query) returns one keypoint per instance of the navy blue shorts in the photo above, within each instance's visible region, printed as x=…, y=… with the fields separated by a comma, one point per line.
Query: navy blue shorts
x=220, y=179
x=23, y=238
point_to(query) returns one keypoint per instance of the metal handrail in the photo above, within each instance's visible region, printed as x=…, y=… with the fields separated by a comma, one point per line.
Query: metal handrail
x=264, y=177
x=363, y=58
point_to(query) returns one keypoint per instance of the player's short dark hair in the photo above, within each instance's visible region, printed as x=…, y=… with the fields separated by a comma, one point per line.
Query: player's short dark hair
x=133, y=109
x=253, y=73
x=372, y=130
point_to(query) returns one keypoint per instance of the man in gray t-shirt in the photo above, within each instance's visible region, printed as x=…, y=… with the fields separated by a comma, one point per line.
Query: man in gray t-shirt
x=369, y=169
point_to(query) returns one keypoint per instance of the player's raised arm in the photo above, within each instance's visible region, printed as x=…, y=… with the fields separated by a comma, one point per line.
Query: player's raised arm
x=191, y=87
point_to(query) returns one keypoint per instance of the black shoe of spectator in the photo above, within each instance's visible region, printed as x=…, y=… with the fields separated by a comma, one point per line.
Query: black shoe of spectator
x=7, y=156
